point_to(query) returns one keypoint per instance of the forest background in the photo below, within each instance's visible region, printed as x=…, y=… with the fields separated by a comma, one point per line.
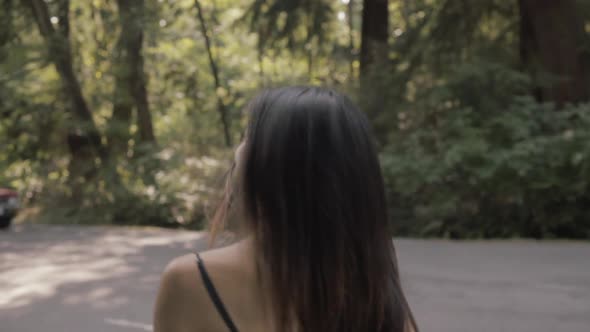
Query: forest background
x=125, y=112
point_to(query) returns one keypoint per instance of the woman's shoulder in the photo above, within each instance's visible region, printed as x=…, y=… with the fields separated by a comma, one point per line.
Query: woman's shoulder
x=183, y=298
x=184, y=269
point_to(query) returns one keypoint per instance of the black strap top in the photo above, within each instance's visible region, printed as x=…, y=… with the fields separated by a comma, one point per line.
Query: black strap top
x=214, y=295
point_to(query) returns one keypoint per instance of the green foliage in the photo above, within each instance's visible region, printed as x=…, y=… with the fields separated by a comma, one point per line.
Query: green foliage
x=466, y=151
x=172, y=184
x=297, y=22
x=471, y=160
x=181, y=191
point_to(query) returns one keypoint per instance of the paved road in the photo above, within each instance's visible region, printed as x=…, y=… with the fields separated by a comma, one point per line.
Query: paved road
x=99, y=279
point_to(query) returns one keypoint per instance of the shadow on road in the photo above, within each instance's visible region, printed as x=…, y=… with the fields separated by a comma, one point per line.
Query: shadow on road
x=84, y=279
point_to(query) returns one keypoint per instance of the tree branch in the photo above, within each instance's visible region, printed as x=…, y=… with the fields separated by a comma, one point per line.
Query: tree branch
x=215, y=72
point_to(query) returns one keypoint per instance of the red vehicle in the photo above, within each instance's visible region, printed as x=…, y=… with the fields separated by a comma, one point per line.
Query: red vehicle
x=8, y=206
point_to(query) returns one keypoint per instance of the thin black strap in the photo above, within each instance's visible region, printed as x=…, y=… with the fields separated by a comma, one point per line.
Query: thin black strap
x=214, y=295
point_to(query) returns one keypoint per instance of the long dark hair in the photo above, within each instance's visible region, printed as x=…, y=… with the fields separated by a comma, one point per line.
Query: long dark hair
x=313, y=197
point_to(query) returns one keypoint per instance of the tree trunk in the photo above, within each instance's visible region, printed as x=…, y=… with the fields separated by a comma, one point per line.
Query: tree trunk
x=215, y=72
x=130, y=81
x=139, y=82
x=144, y=116
x=374, y=61
x=60, y=54
x=374, y=34
x=350, y=21
x=120, y=120
x=261, y=37
x=551, y=48
x=6, y=33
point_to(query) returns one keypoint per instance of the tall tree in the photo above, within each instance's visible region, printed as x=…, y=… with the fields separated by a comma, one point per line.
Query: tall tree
x=374, y=34
x=552, y=48
x=373, y=61
x=130, y=80
x=84, y=139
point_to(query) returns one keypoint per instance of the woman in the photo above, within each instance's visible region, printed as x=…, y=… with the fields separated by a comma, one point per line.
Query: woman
x=316, y=255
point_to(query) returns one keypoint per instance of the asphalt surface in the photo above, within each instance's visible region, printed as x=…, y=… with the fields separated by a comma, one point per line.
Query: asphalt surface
x=101, y=279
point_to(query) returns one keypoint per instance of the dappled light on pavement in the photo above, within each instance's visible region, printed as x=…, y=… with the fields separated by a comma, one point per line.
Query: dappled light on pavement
x=102, y=278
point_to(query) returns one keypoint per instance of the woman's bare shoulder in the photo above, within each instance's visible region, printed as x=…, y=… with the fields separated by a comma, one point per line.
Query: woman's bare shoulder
x=183, y=303
x=227, y=263
x=183, y=270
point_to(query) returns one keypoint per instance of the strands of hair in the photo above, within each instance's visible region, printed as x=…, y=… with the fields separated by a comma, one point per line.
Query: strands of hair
x=313, y=199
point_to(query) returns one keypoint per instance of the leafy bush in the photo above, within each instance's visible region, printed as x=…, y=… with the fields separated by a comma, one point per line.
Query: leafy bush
x=166, y=188
x=479, y=163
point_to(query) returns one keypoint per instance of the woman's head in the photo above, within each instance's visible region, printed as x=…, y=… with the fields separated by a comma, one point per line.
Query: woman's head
x=312, y=194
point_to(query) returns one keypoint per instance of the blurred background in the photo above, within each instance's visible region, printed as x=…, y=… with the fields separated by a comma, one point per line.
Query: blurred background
x=124, y=112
